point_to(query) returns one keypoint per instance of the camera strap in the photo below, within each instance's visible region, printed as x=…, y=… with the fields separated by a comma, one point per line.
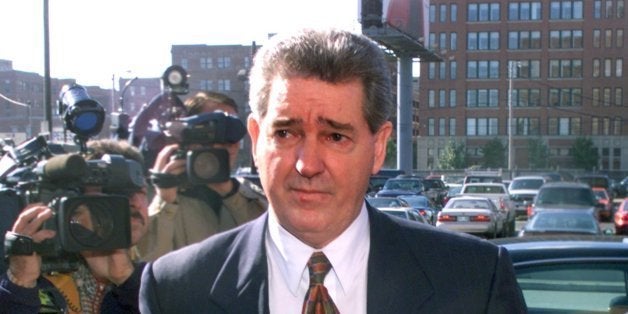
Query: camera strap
x=18, y=244
x=166, y=180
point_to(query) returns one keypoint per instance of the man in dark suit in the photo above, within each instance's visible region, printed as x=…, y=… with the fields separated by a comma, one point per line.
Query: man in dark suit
x=319, y=127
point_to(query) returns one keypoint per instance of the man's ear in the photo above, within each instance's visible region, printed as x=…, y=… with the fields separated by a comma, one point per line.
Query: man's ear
x=381, y=141
x=252, y=125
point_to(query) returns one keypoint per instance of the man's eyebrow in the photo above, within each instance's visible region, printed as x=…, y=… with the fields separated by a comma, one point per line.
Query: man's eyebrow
x=336, y=125
x=286, y=122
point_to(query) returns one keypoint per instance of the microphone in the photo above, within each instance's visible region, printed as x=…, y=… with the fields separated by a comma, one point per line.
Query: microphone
x=67, y=167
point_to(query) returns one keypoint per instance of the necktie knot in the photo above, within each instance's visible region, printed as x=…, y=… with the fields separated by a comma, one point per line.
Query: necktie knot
x=318, y=266
x=317, y=299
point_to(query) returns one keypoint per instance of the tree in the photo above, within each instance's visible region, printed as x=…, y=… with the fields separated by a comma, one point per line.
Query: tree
x=494, y=154
x=391, y=154
x=538, y=154
x=584, y=153
x=454, y=157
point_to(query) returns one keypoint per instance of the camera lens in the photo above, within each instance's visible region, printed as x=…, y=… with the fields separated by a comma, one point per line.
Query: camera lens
x=86, y=121
x=206, y=165
x=90, y=224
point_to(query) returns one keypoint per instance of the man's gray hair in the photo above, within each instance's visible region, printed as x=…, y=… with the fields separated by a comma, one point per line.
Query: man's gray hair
x=333, y=56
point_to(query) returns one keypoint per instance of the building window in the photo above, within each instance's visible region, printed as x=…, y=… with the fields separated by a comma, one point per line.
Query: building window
x=482, y=98
x=524, y=40
x=528, y=69
x=442, y=40
x=620, y=38
x=482, y=12
x=206, y=63
x=619, y=95
x=443, y=13
x=224, y=85
x=596, y=97
x=619, y=65
x=482, y=126
x=430, y=127
x=453, y=70
x=597, y=9
x=617, y=126
x=608, y=38
x=565, y=97
x=442, y=70
x=597, y=41
x=432, y=16
x=565, y=68
x=431, y=98
x=483, y=69
x=596, y=68
x=224, y=62
x=431, y=70
x=452, y=126
x=207, y=85
x=608, y=67
x=595, y=126
x=620, y=9
x=524, y=11
x=452, y=98
x=607, y=96
x=453, y=41
x=442, y=101
x=565, y=39
x=524, y=97
x=483, y=41
x=566, y=10
x=441, y=127
x=453, y=12
x=184, y=63
x=609, y=9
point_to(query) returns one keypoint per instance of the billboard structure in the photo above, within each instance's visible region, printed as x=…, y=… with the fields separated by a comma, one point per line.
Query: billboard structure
x=400, y=25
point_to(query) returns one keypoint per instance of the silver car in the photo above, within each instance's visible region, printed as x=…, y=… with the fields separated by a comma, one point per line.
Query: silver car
x=474, y=215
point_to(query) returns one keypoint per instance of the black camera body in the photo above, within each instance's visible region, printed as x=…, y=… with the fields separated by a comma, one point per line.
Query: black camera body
x=206, y=165
x=83, y=221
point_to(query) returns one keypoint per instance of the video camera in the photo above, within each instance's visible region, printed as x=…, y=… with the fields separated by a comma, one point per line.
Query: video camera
x=206, y=165
x=83, y=221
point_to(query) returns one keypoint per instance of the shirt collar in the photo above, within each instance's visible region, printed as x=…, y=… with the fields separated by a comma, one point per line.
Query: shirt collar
x=347, y=250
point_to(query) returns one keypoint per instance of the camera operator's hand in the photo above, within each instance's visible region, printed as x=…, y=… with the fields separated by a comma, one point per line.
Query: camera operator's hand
x=25, y=269
x=166, y=164
x=115, y=266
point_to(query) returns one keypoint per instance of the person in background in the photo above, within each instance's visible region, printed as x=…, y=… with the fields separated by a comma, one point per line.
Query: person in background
x=104, y=282
x=321, y=100
x=183, y=214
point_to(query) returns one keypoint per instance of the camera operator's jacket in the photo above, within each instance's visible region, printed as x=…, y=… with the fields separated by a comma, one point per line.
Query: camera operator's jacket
x=189, y=219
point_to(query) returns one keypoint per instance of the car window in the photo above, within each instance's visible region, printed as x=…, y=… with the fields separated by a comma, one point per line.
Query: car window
x=568, y=288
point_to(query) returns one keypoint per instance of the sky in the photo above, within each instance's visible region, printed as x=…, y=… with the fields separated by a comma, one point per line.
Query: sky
x=94, y=40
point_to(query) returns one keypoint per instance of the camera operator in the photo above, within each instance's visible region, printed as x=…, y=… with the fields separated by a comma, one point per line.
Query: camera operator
x=104, y=282
x=185, y=214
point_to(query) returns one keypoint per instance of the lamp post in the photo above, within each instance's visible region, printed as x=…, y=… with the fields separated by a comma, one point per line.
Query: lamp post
x=511, y=69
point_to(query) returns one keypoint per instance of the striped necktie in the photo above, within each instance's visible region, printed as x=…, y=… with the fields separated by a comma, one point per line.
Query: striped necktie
x=317, y=299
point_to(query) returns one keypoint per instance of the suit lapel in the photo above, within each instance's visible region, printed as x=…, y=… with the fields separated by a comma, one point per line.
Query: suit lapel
x=396, y=280
x=247, y=263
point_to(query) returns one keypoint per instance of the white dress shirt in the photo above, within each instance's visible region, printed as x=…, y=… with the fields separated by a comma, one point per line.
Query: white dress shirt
x=288, y=276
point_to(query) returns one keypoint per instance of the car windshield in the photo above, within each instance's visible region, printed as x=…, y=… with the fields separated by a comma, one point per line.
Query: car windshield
x=571, y=196
x=384, y=202
x=485, y=189
x=406, y=185
x=562, y=221
x=476, y=204
x=526, y=184
x=417, y=201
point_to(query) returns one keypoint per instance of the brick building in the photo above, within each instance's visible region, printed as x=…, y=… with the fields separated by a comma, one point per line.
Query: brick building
x=558, y=65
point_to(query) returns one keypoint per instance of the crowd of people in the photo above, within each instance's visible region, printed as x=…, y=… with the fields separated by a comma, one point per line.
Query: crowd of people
x=305, y=241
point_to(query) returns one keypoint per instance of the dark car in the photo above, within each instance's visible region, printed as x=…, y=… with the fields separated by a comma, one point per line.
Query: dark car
x=621, y=188
x=395, y=187
x=571, y=274
x=561, y=222
x=597, y=180
x=424, y=205
x=565, y=195
x=436, y=190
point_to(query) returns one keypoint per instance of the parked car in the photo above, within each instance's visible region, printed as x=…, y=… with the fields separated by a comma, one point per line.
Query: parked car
x=473, y=215
x=620, y=218
x=597, y=180
x=498, y=193
x=565, y=195
x=453, y=191
x=424, y=205
x=604, y=199
x=571, y=274
x=561, y=222
x=396, y=186
x=435, y=189
x=522, y=191
x=376, y=183
x=622, y=188
x=396, y=207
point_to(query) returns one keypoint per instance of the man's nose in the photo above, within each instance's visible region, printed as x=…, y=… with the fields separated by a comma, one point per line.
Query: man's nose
x=309, y=158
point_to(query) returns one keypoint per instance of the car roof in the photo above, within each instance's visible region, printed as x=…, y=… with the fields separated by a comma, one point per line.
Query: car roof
x=559, y=248
x=565, y=184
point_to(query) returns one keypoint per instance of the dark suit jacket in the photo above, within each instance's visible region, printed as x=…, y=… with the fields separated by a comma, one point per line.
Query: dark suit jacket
x=412, y=268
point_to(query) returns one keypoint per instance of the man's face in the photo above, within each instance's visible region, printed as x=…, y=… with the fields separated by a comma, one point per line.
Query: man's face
x=315, y=153
x=138, y=204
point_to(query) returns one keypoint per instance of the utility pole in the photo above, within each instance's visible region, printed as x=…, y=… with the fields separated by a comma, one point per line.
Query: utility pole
x=47, y=94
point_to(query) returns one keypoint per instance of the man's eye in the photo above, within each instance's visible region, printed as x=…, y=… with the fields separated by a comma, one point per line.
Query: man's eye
x=336, y=137
x=282, y=133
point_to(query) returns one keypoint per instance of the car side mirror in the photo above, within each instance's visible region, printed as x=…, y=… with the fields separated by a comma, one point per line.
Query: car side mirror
x=608, y=231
